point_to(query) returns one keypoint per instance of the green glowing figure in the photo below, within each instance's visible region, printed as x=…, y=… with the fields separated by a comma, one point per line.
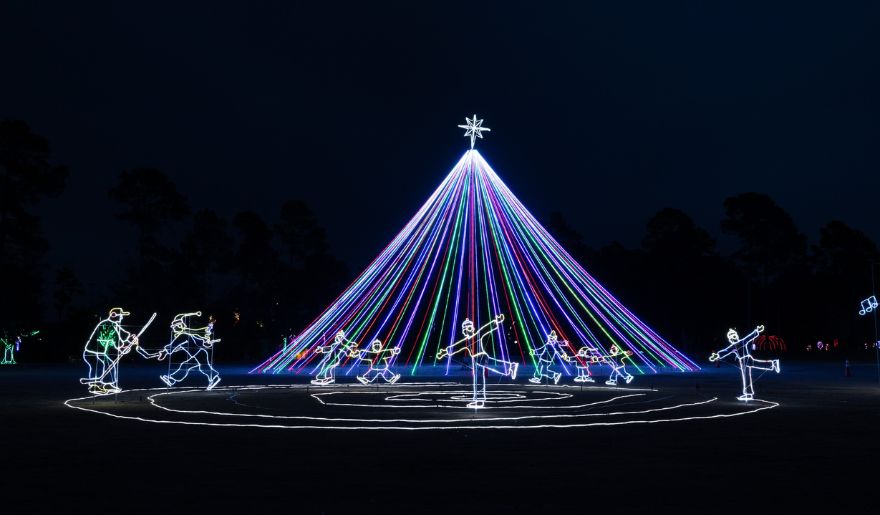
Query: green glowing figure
x=11, y=346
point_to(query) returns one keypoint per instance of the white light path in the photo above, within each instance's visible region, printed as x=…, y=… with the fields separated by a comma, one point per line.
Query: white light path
x=540, y=421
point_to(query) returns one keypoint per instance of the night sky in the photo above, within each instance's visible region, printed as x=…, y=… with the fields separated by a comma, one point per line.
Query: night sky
x=605, y=112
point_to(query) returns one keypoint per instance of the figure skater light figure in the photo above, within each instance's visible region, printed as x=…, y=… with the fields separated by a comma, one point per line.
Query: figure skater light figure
x=546, y=354
x=586, y=356
x=740, y=349
x=618, y=368
x=375, y=354
x=481, y=361
x=335, y=353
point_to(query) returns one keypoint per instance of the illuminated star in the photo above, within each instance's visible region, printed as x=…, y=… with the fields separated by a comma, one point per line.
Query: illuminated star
x=474, y=129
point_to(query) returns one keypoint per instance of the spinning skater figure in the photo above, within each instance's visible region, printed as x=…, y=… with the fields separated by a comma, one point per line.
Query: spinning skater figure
x=546, y=354
x=107, y=344
x=480, y=359
x=336, y=352
x=739, y=347
x=372, y=355
x=195, y=343
x=618, y=368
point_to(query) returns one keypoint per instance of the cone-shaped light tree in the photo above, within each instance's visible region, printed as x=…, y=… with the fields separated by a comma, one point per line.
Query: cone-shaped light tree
x=474, y=251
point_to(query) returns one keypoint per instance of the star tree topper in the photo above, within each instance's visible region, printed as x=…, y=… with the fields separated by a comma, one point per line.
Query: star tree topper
x=474, y=129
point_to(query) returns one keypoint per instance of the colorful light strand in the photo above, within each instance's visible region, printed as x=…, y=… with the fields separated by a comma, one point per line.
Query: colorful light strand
x=473, y=250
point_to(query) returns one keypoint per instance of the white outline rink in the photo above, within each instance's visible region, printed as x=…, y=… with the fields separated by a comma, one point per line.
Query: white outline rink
x=463, y=423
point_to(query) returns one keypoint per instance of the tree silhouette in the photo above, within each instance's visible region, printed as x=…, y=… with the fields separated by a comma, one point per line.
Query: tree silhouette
x=769, y=240
x=671, y=232
x=151, y=201
x=67, y=288
x=26, y=177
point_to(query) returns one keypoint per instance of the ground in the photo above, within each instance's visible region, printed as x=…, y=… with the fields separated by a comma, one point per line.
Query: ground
x=817, y=449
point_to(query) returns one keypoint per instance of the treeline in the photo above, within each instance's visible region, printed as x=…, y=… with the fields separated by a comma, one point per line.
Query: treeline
x=264, y=279
x=680, y=283
x=258, y=279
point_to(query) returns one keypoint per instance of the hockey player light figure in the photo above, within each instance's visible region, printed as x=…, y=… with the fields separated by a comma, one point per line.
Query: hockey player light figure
x=373, y=355
x=195, y=344
x=546, y=354
x=335, y=353
x=739, y=348
x=481, y=362
x=586, y=356
x=618, y=368
x=107, y=344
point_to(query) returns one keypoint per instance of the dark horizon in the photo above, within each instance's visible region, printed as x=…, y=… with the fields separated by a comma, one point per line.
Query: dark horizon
x=245, y=107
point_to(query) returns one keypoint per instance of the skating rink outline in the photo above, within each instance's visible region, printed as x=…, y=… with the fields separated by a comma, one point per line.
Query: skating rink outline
x=535, y=402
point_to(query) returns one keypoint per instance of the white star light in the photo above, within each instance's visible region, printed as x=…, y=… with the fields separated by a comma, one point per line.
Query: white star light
x=474, y=128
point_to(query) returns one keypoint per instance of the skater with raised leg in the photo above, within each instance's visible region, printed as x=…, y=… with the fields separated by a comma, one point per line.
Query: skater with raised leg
x=481, y=361
x=740, y=348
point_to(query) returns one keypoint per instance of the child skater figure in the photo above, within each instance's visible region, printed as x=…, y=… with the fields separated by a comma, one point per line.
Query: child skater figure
x=618, y=369
x=586, y=356
x=546, y=354
x=739, y=347
x=372, y=355
x=480, y=359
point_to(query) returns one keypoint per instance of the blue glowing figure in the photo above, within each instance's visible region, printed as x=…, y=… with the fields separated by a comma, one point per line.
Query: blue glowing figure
x=740, y=349
x=195, y=346
x=615, y=359
x=107, y=344
x=546, y=355
x=481, y=361
x=374, y=355
x=336, y=352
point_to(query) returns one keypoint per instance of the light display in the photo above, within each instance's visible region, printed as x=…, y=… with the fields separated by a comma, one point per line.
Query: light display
x=334, y=354
x=740, y=349
x=481, y=361
x=586, y=356
x=471, y=251
x=373, y=355
x=546, y=354
x=474, y=128
x=107, y=344
x=195, y=347
x=618, y=368
x=868, y=305
x=570, y=409
x=13, y=345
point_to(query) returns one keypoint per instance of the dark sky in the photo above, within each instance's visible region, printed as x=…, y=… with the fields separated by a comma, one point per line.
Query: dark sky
x=606, y=112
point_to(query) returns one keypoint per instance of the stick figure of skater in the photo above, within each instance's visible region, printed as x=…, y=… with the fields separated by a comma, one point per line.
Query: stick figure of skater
x=546, y=354
x=618, y=369
x=740, y=349
x=481, y=362
x=335, y=353
x=373, y=355
x=195, y=344
x=586, y=356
